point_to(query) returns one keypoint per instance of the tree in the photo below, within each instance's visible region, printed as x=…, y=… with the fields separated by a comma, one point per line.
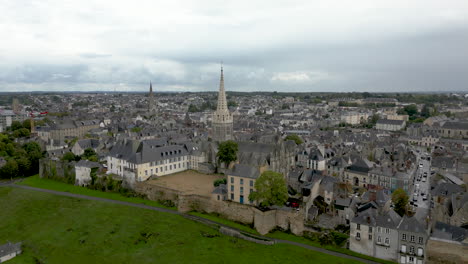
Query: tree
x=193, y=108
x=232, y=104
x=9, y=170
x=90, y=154
x=270, y=189
x=411, y=110
x=227, y=152
x=425, y=111
x=22, y=132
x=294, y=137
x=400, y=201
x=136, y=129
x=69, y=156
x=15, y=125
x=217, y=182
x=27, y=124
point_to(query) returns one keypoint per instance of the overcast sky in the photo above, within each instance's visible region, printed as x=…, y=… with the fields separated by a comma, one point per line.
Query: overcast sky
x=311, y=45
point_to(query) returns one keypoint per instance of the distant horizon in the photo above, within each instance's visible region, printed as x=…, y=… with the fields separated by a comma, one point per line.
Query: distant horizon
x=206, y=91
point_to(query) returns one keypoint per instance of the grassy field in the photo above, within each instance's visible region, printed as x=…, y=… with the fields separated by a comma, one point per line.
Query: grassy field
x=35, y=181
x=56, y=229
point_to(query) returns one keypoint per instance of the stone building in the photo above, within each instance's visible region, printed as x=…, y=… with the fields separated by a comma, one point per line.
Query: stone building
x=413, y=236
x=390, y=125
x=138, y=160
x=222, y=118
x=241, y=182
x=67, y=129
x=454, y=130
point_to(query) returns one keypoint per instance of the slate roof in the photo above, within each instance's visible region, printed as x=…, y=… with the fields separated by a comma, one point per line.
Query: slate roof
x=449, y=232
x=389, y=220
x=446, y=189
x=247, y=171
x=220, y=189
x=411, y=224
x=143, y=152
x=367, y=217
x=390, y=122
x=9, y=248
x=87, y=164
x=88, y=143
x=455, y=125
x=360, y=165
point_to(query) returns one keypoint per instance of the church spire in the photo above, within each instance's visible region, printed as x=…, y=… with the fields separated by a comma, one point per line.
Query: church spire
x=222, y=104
x=151, y=88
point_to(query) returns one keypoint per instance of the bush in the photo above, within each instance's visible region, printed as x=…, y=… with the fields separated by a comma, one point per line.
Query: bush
x=217, y=182
x=338, y=238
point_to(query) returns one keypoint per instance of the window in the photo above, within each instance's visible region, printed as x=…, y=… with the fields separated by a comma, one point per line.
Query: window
x=370, y=236
x=378, y=229
x=242, y=181
x=403, y=237
x=179, y=165
x=358, y=236
x=403, y=248
x=420, y=252
x=411, y=260
x=232, y=179
x=411, y=249
x=146, y=172
x=420, y=240
x=241, y=190
x=370, y=229
x=251, y=190
x=170, y=167
x=232, y=196
x=251, y=183
x=379, y=239
x=387, y=241
x=387, y=230
x=412, y=239
x=232, y=188
x=358, y=227
x=218, y=197
x=151, y=171
x=156, y=170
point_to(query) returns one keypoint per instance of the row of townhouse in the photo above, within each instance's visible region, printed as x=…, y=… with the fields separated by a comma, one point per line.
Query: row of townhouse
x=389, y=236
x=363, y=173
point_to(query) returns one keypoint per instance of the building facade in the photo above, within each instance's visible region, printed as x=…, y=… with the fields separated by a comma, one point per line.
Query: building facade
x=241, y=182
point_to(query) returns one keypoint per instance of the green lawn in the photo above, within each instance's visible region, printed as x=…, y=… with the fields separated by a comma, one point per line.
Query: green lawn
x=226, y=222
x=57, y=229
x=35, y=181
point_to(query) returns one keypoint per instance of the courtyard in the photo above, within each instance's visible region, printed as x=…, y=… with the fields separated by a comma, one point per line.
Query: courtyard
x=188, y=182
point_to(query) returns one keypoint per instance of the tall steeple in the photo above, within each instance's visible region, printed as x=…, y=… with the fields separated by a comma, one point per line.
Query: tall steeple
x=222, y=119
x=151, y=106
x=222, y=104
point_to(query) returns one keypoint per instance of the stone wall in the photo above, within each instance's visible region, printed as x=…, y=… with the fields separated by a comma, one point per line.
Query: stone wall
x=263, y=222
x=58, y=170
x=287, y=219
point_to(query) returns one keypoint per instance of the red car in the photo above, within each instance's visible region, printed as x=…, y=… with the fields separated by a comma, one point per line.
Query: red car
x=294, y=205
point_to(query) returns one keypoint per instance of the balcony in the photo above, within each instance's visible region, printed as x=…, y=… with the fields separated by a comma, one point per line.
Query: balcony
x=357, y=238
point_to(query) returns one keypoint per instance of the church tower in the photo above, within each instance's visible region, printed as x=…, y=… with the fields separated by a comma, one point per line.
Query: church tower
x=151, y=106
x=222, y=119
